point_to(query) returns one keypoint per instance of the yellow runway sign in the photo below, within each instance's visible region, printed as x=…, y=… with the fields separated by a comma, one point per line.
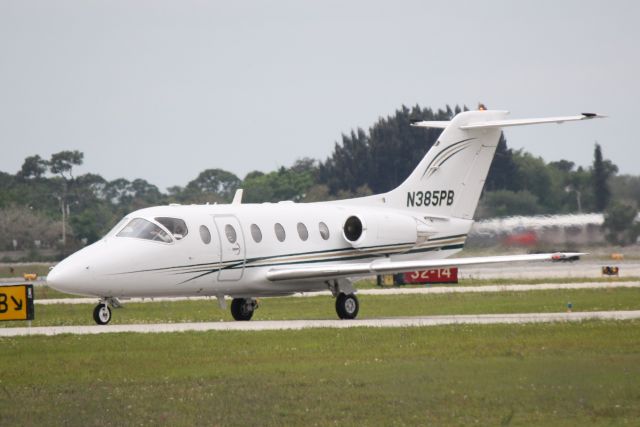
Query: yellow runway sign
x=16, y=302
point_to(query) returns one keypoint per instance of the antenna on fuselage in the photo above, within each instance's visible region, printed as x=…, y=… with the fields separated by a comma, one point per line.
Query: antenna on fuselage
x=237, y=198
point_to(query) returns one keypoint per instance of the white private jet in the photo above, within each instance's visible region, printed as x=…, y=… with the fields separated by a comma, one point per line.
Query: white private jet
x=274, y=249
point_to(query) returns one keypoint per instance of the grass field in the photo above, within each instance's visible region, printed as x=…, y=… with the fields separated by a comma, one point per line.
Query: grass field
x=543, y=374
x=322, y=307
x=547, y=374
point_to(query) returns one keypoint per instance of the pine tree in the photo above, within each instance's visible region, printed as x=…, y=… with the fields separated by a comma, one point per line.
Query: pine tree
x=503, y=170
x=384, y=156
x=600, y=176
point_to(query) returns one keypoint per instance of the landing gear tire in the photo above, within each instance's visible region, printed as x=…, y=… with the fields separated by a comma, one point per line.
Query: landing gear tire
x=347, y=306
x=243, y=308
x=102, y=314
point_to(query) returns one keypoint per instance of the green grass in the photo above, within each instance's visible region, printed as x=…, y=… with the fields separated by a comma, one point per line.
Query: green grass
x=322, y=307
x=19, y=269
x=46, y=292
x=545, y=374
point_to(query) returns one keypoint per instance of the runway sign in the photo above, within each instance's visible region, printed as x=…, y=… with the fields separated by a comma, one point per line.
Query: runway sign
x=436, y=275
x=16, y=302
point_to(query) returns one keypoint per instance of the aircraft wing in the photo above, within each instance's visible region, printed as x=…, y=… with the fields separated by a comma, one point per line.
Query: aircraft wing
x=386, y=266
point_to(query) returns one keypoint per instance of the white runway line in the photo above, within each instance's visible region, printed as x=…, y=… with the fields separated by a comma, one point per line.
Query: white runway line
x=275, y=325
x=386, y=291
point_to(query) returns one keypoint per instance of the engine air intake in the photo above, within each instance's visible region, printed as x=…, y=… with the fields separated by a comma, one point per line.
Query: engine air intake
x=352, y=228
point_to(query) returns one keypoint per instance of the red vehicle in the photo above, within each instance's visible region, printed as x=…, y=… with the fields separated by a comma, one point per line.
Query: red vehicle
x=523, y=238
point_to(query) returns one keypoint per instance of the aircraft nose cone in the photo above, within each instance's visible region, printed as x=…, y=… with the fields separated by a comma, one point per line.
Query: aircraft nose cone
x=68, y=277
x=58, y=278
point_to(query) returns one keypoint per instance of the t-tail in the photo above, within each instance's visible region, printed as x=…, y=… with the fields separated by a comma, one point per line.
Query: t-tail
x=450, y=178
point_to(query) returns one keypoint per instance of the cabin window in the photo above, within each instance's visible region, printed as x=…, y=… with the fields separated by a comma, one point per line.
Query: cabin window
x=280, y=234
x=324, y=230
x=205, y=234
x=142, y=229
x=176, y=226
x=256, y=233
x=230, y=232
x=303, y=232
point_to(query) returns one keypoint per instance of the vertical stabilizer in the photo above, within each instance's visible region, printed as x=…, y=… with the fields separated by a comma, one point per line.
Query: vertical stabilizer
x=449, y=179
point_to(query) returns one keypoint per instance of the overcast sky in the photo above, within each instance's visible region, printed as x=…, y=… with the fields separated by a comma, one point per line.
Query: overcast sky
x=162, y=90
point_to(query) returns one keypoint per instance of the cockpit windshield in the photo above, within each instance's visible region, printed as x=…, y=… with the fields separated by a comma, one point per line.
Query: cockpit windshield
x=176, y=226
x=143, y=229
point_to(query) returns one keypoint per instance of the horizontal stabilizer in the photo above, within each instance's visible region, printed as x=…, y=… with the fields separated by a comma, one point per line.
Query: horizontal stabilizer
x=385, y=266
x=507, y=123
x=524, y=122
x=432, y=124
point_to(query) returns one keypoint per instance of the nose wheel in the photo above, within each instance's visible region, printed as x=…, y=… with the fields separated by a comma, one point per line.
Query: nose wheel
x=102, y=314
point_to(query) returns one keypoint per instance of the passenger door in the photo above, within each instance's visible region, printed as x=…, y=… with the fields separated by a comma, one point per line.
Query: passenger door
x=232, y=247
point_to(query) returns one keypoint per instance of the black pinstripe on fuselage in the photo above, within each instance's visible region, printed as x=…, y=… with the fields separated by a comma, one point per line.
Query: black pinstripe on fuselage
x=312, y=257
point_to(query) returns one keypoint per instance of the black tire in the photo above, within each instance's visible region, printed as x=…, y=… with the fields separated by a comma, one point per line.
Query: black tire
x=102, y=314
x=347, y=306
x=241, y=309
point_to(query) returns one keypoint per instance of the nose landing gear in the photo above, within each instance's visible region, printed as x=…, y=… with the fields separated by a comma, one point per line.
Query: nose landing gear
x=102, y=314
x=102, y=311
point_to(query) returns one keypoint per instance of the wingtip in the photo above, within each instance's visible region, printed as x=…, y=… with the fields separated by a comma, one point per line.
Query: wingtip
x=567, y=256
x=594, y=116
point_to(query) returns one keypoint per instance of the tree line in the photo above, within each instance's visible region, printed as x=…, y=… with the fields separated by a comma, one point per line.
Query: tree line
x=46, y=205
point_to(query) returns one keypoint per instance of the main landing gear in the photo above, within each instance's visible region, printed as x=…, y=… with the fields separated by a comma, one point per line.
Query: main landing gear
x=347, y=305
x=243, y=308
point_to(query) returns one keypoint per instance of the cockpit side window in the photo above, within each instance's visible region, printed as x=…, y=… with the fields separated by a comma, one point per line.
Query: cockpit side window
x=176, y=226
x=117, y=227
x=142, y=229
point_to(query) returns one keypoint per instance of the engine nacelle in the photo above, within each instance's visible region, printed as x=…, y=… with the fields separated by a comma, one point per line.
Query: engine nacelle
x=380, y=229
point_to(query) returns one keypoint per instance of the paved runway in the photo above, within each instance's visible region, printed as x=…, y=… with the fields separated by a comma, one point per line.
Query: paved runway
x=387, y=291
x=273, y=325
x=542, y=270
